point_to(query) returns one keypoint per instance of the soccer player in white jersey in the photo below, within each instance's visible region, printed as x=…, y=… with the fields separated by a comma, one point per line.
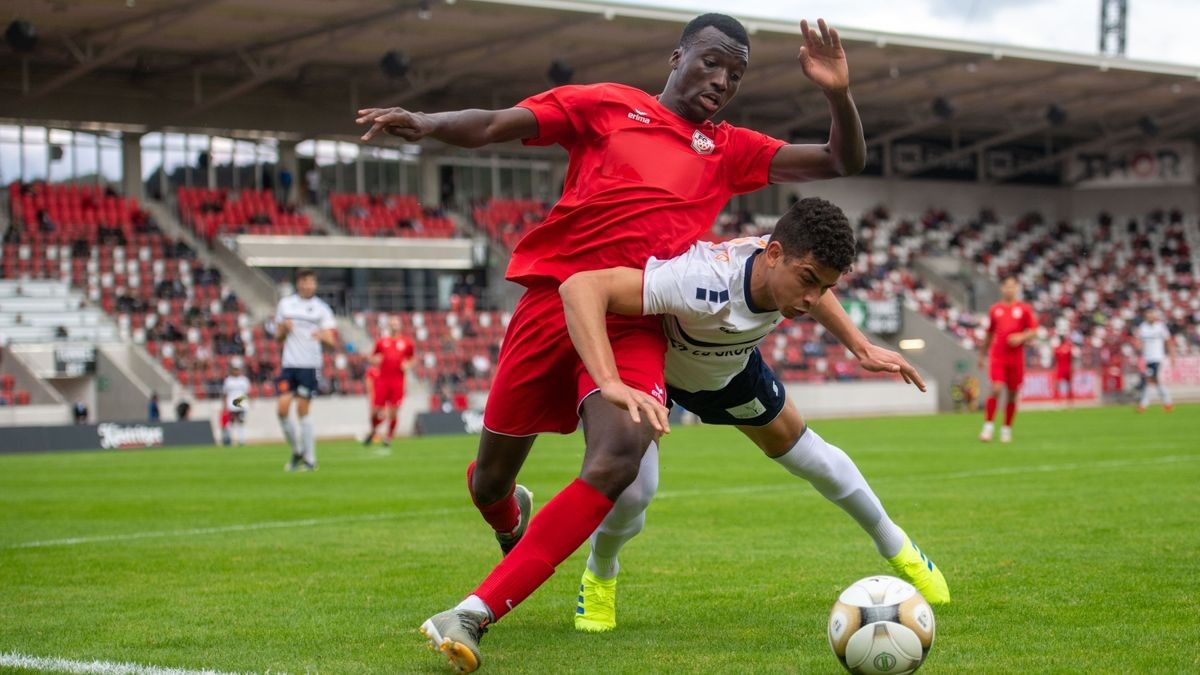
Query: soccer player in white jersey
x=720, y=301
x=234, y=390
x=303, y=322
x=1154, y=341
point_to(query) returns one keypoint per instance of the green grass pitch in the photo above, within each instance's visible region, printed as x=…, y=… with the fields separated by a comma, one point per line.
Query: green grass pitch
x=1074, y=549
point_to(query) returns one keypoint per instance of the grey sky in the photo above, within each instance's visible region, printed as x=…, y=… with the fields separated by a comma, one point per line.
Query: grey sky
x=1158, y=30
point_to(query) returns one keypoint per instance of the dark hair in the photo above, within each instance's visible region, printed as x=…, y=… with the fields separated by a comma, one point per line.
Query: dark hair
x=1011, y=275
x=726, y=24
x=302, y=272
x=816, y=226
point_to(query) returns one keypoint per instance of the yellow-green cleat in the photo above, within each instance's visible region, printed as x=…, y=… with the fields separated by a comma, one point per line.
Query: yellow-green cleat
x=597, y=608
x=912, y=565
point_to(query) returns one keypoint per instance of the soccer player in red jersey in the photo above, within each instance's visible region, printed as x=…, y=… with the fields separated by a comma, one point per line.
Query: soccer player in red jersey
x=1064, y=362
x=1011, y=323
x=393, y=356
x=647, y=176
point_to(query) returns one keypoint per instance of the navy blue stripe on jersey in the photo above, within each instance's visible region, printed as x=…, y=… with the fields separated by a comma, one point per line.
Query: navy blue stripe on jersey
x=746, y=285
x=711, y=295
x=701, y=343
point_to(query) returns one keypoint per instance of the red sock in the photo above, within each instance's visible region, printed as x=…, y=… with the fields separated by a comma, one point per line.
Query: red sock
x=991, y=408
x=391, y=427
x=561, y=526
x=376, y=418
x=1010, y=411
x=503, y=515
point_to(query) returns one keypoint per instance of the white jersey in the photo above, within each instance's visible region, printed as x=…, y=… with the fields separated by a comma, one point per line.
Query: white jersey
x=302, y=349
x=233, y=387
x=1154, y=338
x=711, y=323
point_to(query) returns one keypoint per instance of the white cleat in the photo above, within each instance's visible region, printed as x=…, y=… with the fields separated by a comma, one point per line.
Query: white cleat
x=1006, y=434
x=985, y=435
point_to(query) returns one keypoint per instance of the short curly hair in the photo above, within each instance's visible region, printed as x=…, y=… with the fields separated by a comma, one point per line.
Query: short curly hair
x=722, y=22
x=816, y=226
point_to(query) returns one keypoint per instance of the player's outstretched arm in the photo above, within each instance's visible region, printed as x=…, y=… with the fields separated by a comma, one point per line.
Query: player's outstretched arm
x=471, y=128
x=587, y=297
x=830, y=314
x=845, y=154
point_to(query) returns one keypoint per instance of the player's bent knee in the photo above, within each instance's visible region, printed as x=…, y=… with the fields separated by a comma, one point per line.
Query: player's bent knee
x=611, y=475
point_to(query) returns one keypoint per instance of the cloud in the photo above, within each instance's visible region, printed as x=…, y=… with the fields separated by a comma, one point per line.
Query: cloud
x=974, y=11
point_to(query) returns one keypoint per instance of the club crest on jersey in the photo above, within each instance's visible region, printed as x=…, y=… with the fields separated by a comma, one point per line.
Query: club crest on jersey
x=1016, y=312
x=639, y=116
x=703, y=144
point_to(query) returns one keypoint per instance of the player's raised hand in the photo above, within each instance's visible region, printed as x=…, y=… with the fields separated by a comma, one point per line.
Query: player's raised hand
x=410, y=126
x=822, y=57
x=637, y=403
x=880, y=360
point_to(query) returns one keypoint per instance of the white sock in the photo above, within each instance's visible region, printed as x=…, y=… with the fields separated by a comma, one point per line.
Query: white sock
x=241, y=434
x=838, y=479
x=1145, y=395
x=308, y=440
x=289, y=435
x=475, y=604
x=988, y=427
x=626, y=519
x=1163, y=393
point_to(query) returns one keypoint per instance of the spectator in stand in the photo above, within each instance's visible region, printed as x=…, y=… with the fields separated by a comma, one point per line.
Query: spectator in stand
x=312, y=180
x=81, y=412
x=183, y=411
x=152, y=412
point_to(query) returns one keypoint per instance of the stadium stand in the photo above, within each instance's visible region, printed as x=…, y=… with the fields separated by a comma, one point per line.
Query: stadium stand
x=154, y=288
x=213, y=212
x=388, y=216
x=1087, y=280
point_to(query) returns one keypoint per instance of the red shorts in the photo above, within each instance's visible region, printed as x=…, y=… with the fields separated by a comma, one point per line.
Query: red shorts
x=388, y=391
x=1011, y=373
x=1062, y=375
x=540, y=381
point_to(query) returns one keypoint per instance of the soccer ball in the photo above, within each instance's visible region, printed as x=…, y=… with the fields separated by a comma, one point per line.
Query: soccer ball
x=881, y=626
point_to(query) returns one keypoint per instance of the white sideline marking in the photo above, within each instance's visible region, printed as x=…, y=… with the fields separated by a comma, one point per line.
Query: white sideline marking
x=246, y=527
x=669, y=494
x=57, y=665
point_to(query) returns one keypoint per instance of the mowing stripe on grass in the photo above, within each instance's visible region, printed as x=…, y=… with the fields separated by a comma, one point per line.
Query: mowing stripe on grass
x=668, y=494
x=57, y=665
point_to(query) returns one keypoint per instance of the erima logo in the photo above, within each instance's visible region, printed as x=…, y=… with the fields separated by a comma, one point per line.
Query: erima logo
x=658, y=393
x=703, y=144
x=711, y=295
x=639, y=116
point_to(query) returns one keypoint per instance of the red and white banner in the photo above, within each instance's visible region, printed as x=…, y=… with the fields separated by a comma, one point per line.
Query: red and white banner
x=1181, y=370
x=1041, y=386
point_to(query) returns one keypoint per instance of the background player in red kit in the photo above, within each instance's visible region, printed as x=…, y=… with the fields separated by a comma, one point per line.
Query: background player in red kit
x=1011, y=323
x=393, y=356
x=647, y=177
x=1064, y=368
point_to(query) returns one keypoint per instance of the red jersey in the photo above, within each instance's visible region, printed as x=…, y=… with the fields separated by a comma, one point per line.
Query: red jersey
x=372, y=373
x=395, y=351
x=641, y=180
x=1063, y=354
x=1004, y=320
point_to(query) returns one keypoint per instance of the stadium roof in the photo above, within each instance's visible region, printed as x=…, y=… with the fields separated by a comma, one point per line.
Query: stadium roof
x=302, y=67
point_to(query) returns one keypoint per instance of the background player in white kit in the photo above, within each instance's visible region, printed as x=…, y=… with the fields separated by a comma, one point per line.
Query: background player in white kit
x=303, y=322
x=720, y=302
x=234, y=391
x=1154, y=342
